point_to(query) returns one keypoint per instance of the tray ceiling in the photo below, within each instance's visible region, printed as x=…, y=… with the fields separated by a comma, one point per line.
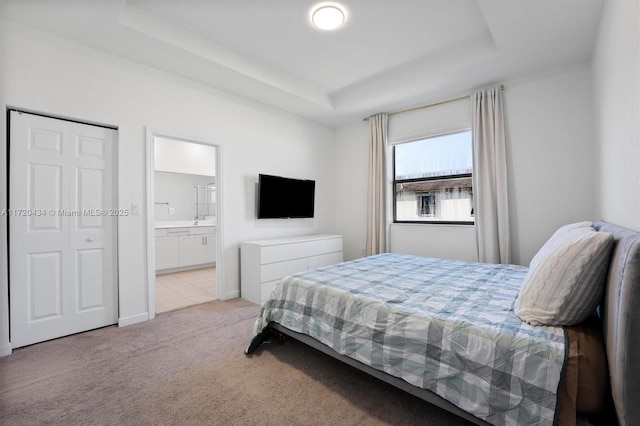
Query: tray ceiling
x=388, y=55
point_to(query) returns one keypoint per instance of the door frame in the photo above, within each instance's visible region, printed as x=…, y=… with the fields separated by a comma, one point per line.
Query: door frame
x=150, y=219
x=6, y=347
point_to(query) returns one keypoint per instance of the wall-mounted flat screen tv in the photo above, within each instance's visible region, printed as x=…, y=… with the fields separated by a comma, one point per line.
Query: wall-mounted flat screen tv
x=283, y=198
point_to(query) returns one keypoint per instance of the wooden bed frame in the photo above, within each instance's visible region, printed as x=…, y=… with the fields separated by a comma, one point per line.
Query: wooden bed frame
x=621, y=325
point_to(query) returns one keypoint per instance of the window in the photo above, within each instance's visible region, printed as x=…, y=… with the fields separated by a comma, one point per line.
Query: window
x=432, y=180
x=426, y=205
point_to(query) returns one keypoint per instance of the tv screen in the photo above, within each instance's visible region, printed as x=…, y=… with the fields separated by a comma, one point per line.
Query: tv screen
x=280, y=197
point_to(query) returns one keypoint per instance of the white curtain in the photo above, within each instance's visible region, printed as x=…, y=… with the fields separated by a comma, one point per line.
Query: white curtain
x=490, y=177
x=377, y=227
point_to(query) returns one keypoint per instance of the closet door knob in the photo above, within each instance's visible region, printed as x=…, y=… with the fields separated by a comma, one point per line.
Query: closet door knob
x=90, y=239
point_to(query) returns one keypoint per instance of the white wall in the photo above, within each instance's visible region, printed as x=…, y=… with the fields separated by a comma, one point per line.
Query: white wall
x=551, y=157
x=176, y=156
x=351, y=157
x=442, y=241
x=550, y=166
x=616, y=82
x=50, y=75
x=437, y=120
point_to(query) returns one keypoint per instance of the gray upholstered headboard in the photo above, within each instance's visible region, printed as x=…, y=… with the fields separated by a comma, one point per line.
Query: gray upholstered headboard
x=621, y=315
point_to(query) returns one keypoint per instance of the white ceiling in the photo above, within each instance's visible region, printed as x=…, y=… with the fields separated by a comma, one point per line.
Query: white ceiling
x=390, y=54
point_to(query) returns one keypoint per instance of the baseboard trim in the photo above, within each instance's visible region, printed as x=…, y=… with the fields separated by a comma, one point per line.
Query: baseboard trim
x=185, y=268
x=133, y=319
x=6, y=350
x=232, y=295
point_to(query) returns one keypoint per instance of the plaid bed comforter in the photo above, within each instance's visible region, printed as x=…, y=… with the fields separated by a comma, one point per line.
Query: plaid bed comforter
x=446, y=326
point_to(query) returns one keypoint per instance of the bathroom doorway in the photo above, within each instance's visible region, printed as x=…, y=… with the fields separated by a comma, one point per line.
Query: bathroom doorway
x=183, y=223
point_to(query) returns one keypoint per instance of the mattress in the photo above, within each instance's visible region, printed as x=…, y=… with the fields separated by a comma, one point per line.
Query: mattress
x=441, y=325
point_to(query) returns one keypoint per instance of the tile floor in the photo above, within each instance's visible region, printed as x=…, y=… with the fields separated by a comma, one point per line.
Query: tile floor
x=187, y=288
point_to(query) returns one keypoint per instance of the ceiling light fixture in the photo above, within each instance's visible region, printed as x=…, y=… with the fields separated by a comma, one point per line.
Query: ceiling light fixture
x=328, y=17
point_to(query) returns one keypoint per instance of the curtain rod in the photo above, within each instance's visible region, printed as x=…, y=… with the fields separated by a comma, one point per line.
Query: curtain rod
x=428, y=106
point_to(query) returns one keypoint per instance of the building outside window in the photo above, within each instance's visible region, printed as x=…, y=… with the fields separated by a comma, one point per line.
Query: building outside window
x=432, y=180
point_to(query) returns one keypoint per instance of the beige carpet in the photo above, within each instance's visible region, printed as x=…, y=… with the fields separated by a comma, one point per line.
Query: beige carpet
x=187, y=367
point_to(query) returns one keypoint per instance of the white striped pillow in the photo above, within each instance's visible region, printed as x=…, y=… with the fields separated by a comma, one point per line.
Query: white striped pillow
x=566, y=278
x=572, y=226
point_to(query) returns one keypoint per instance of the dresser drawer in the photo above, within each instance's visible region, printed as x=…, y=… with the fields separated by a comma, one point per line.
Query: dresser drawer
x=325, y=246
x=274, y=271
x=325, y=260
x=202, y=230
x=177, y=231
x=281, y=252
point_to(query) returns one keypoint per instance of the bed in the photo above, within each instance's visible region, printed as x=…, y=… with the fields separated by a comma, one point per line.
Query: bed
x=448, y=332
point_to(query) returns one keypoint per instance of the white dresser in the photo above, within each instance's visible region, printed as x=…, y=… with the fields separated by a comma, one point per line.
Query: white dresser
x=265, y=262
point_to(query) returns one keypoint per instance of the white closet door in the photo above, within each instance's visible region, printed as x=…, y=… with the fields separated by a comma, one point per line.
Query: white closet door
x=62, y=238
